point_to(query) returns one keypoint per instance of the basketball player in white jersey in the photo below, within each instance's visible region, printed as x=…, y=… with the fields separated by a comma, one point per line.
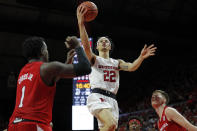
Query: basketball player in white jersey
x=104, y=79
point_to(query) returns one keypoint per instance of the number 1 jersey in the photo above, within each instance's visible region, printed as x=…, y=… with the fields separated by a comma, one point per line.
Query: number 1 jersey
x=34, y=99
x=105, y=74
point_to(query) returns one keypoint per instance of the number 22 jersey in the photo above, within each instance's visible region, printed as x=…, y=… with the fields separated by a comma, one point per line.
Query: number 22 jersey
x=34, y=99
x=105, y=74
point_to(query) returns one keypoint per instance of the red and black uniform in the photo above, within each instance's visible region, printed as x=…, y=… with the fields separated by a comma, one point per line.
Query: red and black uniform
x=34, y=101
x=165, y=125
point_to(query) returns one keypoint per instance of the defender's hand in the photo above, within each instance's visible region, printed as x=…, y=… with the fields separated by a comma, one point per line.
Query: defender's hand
x=70, y=56
x=72, y=42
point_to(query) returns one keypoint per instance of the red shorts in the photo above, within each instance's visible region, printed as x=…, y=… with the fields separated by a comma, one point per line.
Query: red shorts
x=29, y=126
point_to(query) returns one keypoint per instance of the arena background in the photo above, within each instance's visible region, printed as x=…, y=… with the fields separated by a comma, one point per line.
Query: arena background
x=169, y=24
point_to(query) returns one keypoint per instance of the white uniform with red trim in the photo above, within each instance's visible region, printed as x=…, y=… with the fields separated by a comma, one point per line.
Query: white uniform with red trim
x=104, y=75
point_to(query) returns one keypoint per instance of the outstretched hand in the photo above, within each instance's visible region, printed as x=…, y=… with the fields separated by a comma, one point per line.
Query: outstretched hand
x=81, y=10
x=72, y=42
x=70, y=56
x=148, y=51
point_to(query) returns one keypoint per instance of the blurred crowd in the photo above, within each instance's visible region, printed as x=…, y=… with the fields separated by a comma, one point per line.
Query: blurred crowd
x=180, y=84
x=149, y=118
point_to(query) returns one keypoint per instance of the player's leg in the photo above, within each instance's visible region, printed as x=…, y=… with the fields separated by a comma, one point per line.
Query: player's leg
x=107, y=119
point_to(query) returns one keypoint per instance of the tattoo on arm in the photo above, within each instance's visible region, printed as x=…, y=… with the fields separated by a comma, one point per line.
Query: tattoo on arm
x=125, y=67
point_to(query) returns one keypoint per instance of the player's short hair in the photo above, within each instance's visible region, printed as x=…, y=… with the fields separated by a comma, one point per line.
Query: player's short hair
x=163, y=93
x=111, y=42
x=32, y=47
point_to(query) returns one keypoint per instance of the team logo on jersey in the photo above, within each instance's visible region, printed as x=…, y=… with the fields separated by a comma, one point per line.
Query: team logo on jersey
x=102, y=100
x=107, y=67
x=163, y=127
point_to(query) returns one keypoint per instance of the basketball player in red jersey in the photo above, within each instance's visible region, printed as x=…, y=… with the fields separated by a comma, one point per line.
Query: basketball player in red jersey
x=169, y=118
x=104, y=78
x=36, y=83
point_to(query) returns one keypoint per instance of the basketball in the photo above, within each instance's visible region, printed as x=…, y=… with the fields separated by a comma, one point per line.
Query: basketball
x=92, y=11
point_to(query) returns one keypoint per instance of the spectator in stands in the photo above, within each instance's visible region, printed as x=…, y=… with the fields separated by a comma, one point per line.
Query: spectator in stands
x=134, y=124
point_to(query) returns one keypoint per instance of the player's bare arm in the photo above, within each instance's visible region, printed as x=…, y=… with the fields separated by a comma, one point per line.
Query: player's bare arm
x=83, y=34
x=173, y=115
x=145, y=53
x=127, y=66
x=52, y=71
x=69, y=60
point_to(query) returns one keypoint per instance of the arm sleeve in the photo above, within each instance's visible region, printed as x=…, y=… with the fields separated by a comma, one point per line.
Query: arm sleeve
x=83, y=67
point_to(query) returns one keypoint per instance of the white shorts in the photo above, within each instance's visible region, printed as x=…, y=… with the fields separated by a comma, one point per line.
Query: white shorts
x=96, y=102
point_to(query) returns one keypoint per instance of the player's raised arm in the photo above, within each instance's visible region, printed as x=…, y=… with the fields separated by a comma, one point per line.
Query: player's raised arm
x=173, y=115
x=145, y=53
x=83, y=34
x=50, y=72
